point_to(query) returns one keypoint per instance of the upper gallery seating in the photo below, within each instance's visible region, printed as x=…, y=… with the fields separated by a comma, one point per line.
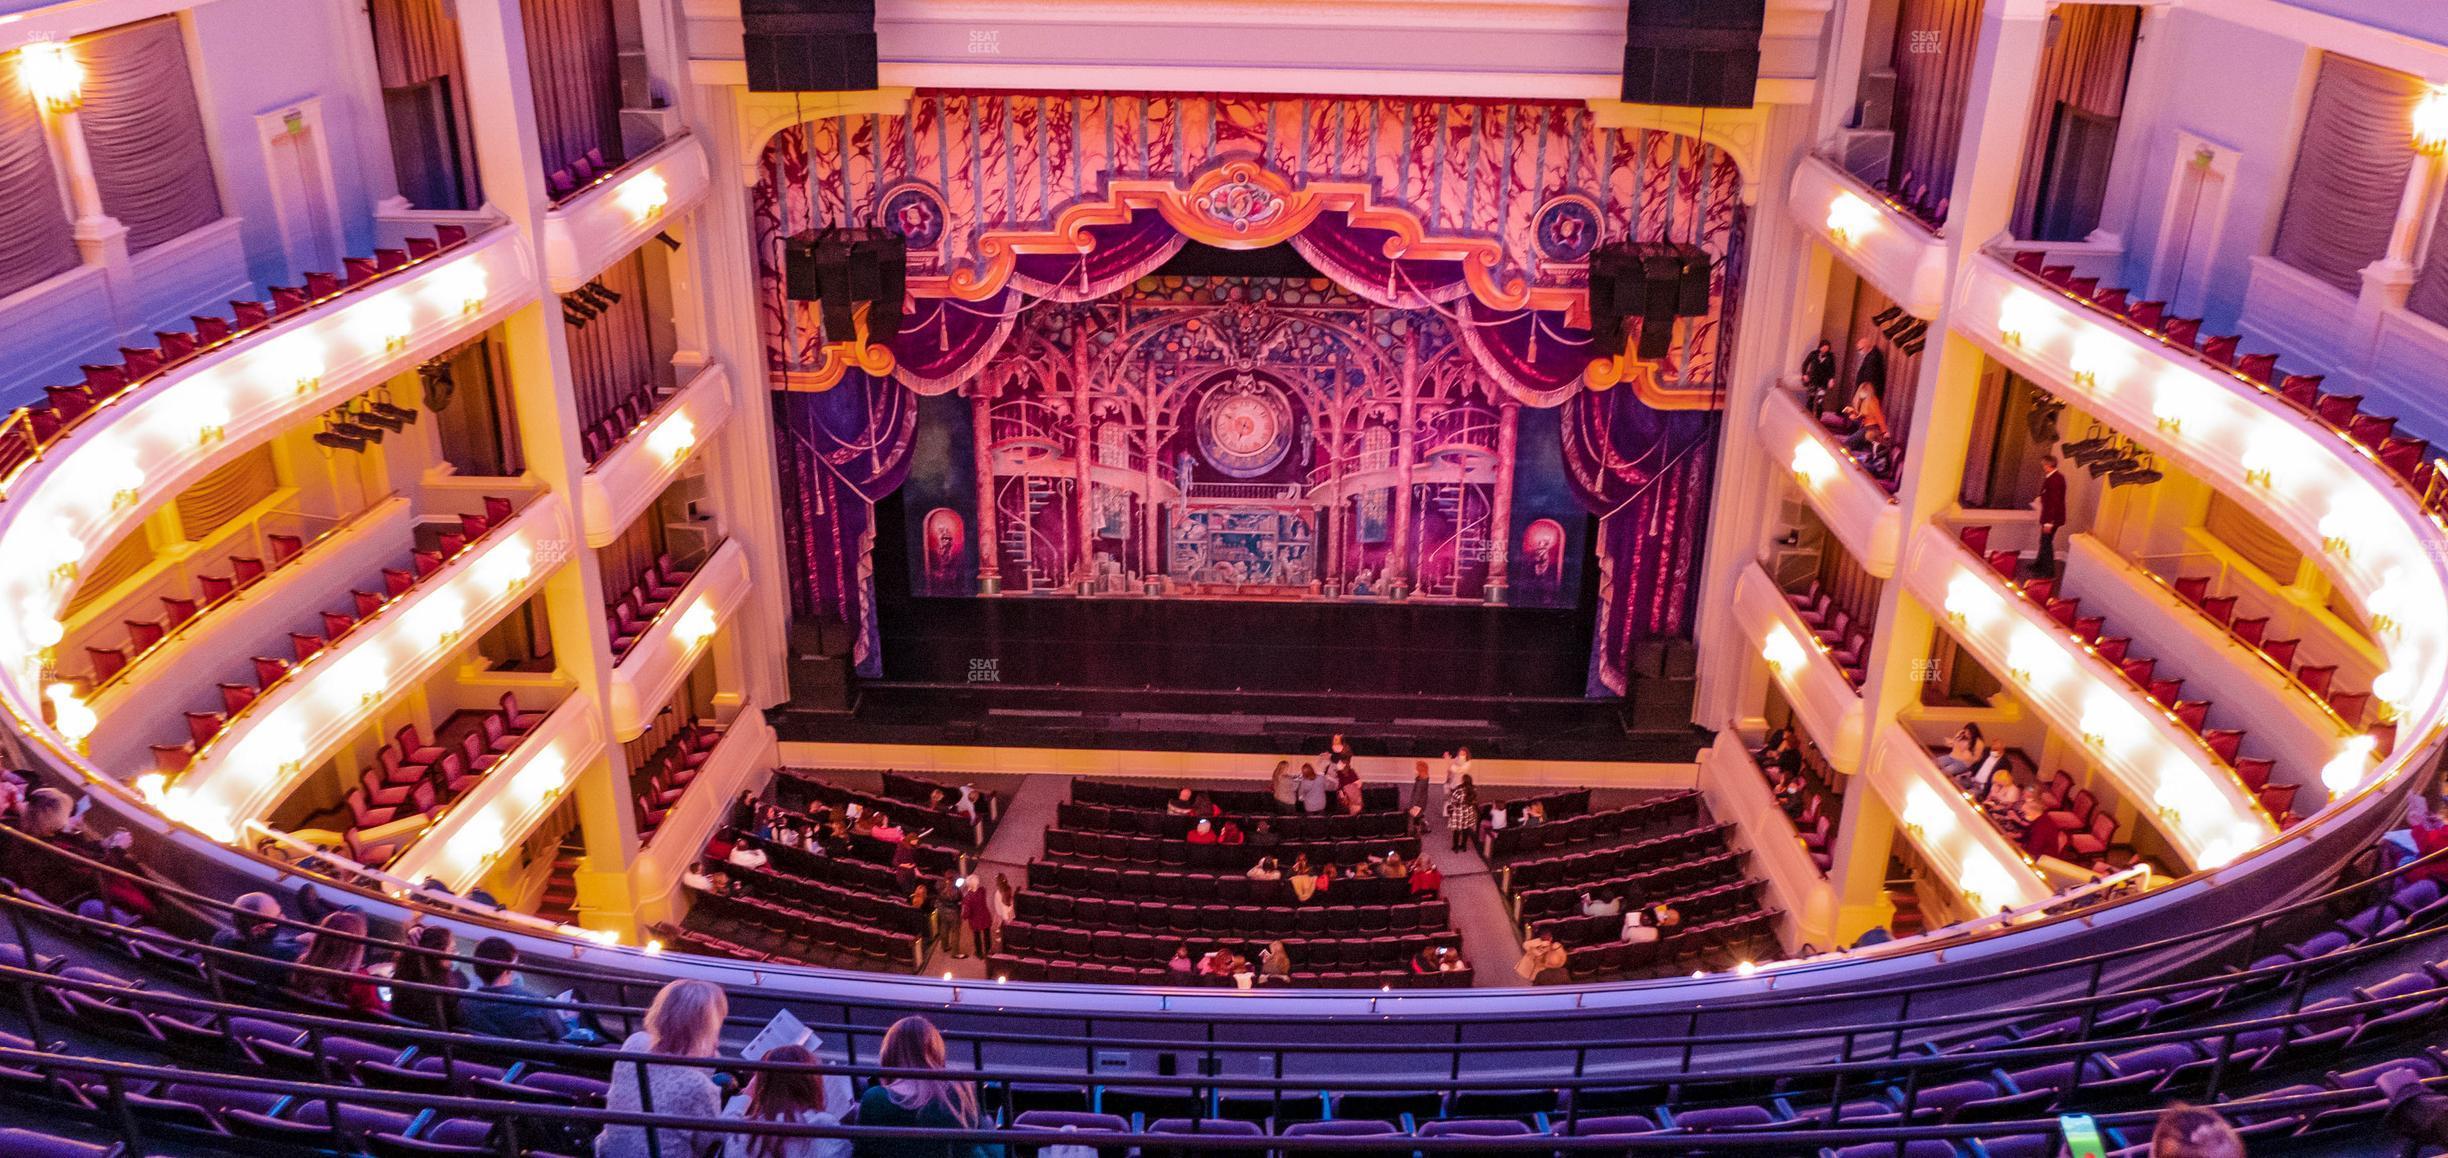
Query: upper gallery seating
x=637, y=608
x=175, y=348
x=2141, y=671
x=435, y=547
x=1811, y=798
x=2368, y=1003
x=1842, y=634
x=413, y=778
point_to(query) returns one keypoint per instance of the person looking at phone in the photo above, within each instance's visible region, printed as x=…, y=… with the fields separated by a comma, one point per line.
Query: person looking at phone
x=497, y=977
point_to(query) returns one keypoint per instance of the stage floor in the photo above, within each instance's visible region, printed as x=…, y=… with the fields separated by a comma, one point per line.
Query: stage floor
x=1006, y=715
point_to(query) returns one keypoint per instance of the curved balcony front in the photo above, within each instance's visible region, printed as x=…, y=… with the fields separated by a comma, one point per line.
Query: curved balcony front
x=669, y=647
x=1954, y=839
x=624, y=482
x=1862, y=514
x=461, y=844
x=1896, y=252
x=584, y=235
x=1830, y=707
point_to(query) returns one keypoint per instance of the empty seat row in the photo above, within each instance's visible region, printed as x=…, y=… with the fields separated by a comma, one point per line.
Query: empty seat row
x=1242, y=801
x=1314, y=953
x=1249, y=920
x=2317, y=680
x=831, y=900
x=1203, y=887
x=663, y=777
x=1296, y=828
x=801, y=935
x=1602, y=864
x=629, y=617
x=210, y=591
x=624, y=419
x=1152, y=850
x=1606, y=824
x=1697, y=906
x=1635, y=888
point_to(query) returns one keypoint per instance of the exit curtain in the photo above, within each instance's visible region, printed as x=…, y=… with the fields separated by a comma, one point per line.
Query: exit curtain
x=573, y=65
x=146, y=134
x=35, y=240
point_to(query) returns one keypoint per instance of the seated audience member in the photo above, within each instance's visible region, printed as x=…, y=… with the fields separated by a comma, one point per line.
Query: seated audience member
x=1426, y=881
x=270, y=947
x=1498, y=819
x=1275, y=965
x=1230, y=834
x=1392, y=867
x=947, y=1103
x=1263, y=834
x=694, y=877
x=885, y=829
x=747, y=856
x=1180, y=965
x=1636, y=928
x=1964, y=753
x=1542, y=961
x=483, y=1011
x=1202, y=805
x=425, y=960
x=1265, y=870
x=1536, y=813
x=49, y=816
x=333, y=968
x=2192, y=1132
x=796, y=1097
x=1449, y=960
x=2004, y=803
x=1203, y=832
x=743, y=811
x=1182, y=804
x=685, y=1020
x=1596, y=905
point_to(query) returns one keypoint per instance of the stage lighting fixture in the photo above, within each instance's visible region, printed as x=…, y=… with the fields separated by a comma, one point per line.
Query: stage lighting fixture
x=368, y=415
x=668, y=240
x=336, y=440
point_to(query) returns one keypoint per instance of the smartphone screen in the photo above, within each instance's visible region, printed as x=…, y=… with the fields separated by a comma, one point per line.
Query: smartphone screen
x=2082, y=1136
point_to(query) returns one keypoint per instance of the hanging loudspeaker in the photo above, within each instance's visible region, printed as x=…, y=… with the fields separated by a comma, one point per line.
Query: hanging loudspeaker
x=889, y=253
x=1661, y=292
x=1693, y=298
x=834, y=291
x=799, y=267
x=1605, y=316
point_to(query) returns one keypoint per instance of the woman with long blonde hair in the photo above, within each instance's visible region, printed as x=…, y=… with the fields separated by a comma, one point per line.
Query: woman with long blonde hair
x=685, y=1020
x=945, y=1103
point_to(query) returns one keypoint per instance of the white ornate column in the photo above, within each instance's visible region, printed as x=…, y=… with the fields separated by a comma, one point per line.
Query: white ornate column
x=2387, y=281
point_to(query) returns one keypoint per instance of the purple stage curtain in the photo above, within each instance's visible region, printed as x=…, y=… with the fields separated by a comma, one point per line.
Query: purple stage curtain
x=945, y=341
x=2350, y=171
x=145, y=133
x=1117, y=256
x=1530, y=352
x=1645, y=473
x=1356, y=260
x=35, y=239
x=839, y=451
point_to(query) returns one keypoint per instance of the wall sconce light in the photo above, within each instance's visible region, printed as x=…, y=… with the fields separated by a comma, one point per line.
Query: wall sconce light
x=506, y=566
x=384, y=324
x=696, y=626
x=2387, y=604
x=673, y=439
x=1849, y=217
x=2168, y=406
x=2261, y=459
x=2431, y=123
x=279, y=747
x=439, y=619
x=1924, y=813
x=41, y=630
x=1782, y=651
x=2342, y=528
x=297, y=365
x=203, y=410
x=461, y=288
x=59, y=550
x=1812, y=465
x=478, y=841
x=2096, y=359
x=70, y=715
x=645, y=195
x=2019, y=316
x=2344, y=771
x=361, y=682
x=1968, y=599
x=2105, y=721
x=2390, y=690
x=2031, y=656
x=541, y=777
x=52, y=73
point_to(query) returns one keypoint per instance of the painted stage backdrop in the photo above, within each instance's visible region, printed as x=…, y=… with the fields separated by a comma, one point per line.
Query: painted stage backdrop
x=1424, y=421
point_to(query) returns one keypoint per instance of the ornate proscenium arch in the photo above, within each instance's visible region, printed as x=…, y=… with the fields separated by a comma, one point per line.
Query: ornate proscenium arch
x=1488, y=211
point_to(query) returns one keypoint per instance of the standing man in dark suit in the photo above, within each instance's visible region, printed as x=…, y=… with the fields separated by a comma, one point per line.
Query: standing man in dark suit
x=2052, y=515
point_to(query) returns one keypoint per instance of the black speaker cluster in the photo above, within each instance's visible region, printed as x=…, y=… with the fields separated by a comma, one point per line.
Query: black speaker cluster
x=1652, y=282
x=843, y=269
x=1693, y=53
x=587, y=303
x=809, y=45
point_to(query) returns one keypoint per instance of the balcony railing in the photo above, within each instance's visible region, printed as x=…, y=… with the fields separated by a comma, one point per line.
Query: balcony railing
x=1901, y=254
x=462, y=840
x=624, y=482
x=1853, y=503
x=620, y=208
x=669, y=644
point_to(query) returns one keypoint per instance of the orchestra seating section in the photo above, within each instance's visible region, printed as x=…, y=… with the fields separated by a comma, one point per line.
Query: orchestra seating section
x=2164, y=689
x=1659, y=849
x=435, y=546
x=2315, y=1009
x=1123, y=885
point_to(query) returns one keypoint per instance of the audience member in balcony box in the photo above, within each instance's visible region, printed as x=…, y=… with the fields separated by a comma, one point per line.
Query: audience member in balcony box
x=1818, y=375
x=2192, y=1132
x=269, y=947
x=424, y=959
x=685, y=1020
x=796, y=1097
x=332, y=970
x=931, y=1103
x=485, y=1011
x=1965, y=750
